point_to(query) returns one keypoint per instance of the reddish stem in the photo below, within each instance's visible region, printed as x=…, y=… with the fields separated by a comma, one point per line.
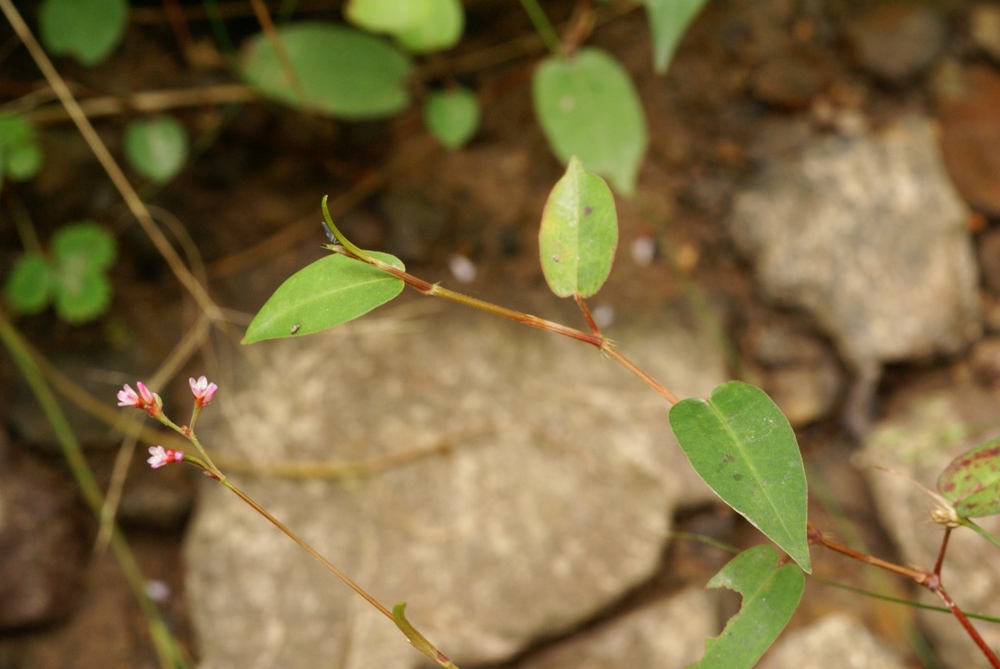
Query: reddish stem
x=922, y=577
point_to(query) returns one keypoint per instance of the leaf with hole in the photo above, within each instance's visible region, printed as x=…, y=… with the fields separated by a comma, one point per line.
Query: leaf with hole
x=330, y=291
x=668, y=19
x=972, y=481
x=579, y=233
x=88, y=30
x=771, y=593
x=741, y=444
x=343, y=72
x=589, y=108
x=156, y=147
x=452, y=116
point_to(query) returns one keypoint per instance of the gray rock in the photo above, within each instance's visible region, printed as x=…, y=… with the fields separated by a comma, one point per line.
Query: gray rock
x=665, y=635
x=921, y=435
x=898, y=40
x=868, y=235
x=555, y=498
x=834, y=641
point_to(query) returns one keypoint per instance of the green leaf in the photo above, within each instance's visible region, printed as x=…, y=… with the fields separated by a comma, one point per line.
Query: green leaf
x=452, y=116
x=418, y=640
x=87, y=245
x=20, y=154
x=344, y=72
x=29, y=286
x=668, y=19
x=330, y=291
x=972, y=481
x=81, y=296
x=741, y=444
x=770, y=596
x=589, y=108
x=579, y=233
x=419, y=25
x=88, y=30
x=157, y=147
x=439, y=28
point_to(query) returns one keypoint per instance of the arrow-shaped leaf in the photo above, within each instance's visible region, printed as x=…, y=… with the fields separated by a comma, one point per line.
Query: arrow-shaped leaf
x=770, y=596
x=741, y=444
x=331, y=291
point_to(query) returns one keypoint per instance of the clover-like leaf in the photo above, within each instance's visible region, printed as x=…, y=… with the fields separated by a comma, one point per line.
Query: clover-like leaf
x=81, y=296
x=29, y=286
x=86, y=244
x=741, y=444
x=972, y=481
x=579, y=233
x=771, y=593
x=20, y=153
x=330, y=291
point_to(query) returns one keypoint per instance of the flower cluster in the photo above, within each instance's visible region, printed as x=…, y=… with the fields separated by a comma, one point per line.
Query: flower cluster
x=159, y=456
x=144, y=399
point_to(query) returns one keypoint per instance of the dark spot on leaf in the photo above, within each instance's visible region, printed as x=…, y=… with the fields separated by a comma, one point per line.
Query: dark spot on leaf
x=588, y=210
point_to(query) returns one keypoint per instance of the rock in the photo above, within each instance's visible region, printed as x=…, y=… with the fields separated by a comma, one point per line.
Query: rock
x=834, y=641
x=898, y=40
x=921, y=434
x=984, y=28
x=43, y=535
x=554, y=499
x=989, y=259
x=800, y=374
x=638, y=639
x=984, y=361
x=867, y=235
x=970, y=135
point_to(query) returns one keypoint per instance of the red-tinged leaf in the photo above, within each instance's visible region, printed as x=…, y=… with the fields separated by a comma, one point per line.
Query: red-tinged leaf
x=972, y=481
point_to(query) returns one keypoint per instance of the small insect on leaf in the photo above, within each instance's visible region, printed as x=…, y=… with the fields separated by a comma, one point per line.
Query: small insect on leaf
x=295, y=328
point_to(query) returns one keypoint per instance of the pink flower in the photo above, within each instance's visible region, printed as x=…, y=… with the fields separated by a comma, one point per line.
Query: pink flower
x=159, y=456
x=202, y=390
x=144, y=399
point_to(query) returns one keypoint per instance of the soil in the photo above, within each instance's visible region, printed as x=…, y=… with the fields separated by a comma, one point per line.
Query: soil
x=245, y=214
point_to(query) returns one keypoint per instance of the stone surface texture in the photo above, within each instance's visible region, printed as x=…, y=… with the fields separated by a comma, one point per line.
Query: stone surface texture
x=554, y=499
x=869, y=236
x=834, y=641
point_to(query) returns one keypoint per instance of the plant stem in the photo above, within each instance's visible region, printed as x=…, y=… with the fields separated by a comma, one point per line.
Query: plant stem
x=167, y=649
x=309, y=549
x=436, y=290
x=922, y=577
x=542, y=26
